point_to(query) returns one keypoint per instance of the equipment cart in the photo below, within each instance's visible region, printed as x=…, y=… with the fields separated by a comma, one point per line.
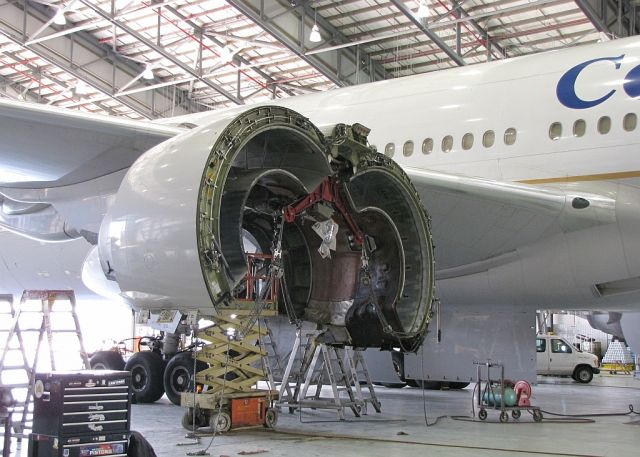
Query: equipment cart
x=493, y=394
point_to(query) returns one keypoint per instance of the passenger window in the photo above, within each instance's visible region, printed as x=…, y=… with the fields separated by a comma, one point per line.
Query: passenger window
x=488, y=138
x=509, y=136
x=630, y=122
x=467, y=141
x=390, y=149
x=447, y=143
x=559, y=346
x=407, y=149
x=555, y=131
x=604, y=125
x=427, y=146
x=541, y=345
x=579, y=128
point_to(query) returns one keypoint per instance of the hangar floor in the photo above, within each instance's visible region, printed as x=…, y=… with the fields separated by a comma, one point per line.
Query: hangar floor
x=400, y=429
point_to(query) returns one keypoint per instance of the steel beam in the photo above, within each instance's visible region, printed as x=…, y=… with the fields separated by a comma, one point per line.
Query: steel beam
x=160, y=50
x=379, y=72
x=429, y=33
x=60, y=64
x=306, y=13
x=101, y=73
x=616, y=18
x=486, y=39
x=213, y=38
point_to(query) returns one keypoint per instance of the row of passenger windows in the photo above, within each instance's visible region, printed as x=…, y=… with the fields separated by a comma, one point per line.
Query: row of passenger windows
x=629, y=123
x=488, y=140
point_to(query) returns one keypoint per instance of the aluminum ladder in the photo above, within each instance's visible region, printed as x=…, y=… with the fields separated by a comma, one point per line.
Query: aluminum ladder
x=323, y=365
x=18, y=332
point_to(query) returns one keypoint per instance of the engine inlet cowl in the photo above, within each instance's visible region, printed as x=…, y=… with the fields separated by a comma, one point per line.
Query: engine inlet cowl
x=351, y=236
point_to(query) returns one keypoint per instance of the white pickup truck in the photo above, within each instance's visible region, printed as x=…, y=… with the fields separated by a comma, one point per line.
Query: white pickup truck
x=558, y=357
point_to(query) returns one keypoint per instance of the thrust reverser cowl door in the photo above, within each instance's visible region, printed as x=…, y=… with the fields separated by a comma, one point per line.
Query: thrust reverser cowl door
x=356, y=247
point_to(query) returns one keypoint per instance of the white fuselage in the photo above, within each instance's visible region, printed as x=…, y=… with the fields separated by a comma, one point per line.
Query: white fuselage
x=448, y=115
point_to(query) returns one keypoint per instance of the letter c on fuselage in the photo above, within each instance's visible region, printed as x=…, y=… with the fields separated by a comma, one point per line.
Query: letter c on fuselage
x=566, y=88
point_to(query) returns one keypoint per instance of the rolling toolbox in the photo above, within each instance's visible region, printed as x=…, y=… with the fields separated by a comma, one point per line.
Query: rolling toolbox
x=81, y=414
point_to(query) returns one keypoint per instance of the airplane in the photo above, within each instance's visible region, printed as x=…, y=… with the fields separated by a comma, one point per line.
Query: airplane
x=527, y=168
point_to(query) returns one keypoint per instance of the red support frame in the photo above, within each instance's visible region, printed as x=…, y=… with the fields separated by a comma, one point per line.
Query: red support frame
x=328, y=191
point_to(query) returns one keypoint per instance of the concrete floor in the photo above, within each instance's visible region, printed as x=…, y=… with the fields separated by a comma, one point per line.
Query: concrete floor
x=400, y=429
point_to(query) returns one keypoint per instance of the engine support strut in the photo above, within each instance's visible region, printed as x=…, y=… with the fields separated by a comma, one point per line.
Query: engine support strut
x=330, y=191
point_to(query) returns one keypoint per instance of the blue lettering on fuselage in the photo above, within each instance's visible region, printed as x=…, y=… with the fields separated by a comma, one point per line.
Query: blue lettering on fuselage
x=566, y=89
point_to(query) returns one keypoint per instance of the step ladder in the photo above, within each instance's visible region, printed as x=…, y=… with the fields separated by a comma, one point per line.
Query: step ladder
x=324, y=364
x=30, y=323
x=271, y=361
x=360, y=378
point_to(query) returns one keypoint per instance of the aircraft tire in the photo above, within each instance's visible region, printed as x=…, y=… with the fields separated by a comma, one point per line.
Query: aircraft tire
x=178, y=376
x=146, y=370
x=106, y=360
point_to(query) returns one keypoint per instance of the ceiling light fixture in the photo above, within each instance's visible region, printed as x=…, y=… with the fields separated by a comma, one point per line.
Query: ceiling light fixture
x=59, y=18
x=314, y=36
x=423, y=10
x=148, y=73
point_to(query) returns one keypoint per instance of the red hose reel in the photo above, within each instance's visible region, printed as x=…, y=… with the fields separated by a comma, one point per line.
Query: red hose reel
x=523, y=393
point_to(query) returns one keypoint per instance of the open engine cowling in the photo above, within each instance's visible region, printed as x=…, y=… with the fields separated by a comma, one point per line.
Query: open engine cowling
x=189, y=208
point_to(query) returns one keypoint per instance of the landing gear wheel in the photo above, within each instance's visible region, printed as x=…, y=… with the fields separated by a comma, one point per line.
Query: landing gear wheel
x=271, y=418
x=537, y=415
x=515, y=414
x=220, y=422
x=504, y=417
x=106, y=360
x=584, y=374
x=482, y=414
x=178, y=376
x=146, y=376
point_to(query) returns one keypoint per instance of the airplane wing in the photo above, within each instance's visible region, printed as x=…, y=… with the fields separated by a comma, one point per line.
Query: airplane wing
x=477, y=223
x=43, y=146
x=58, y=167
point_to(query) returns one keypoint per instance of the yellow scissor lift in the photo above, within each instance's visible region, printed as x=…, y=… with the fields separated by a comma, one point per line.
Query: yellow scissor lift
x=237, y=360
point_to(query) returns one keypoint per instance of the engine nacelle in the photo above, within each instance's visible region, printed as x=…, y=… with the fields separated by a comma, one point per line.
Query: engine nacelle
x=189, y=209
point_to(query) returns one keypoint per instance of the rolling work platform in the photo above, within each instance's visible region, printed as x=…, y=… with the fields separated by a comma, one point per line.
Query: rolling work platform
x=40, y=313
x=238, y=358
x=342, y=369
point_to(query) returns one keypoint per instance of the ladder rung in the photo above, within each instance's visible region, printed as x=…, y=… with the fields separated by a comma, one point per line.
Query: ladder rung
x=16, y=367
x=17, y=386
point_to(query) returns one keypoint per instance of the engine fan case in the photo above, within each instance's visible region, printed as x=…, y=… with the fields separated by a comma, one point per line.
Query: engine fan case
x=174, y=237
x=152, y=239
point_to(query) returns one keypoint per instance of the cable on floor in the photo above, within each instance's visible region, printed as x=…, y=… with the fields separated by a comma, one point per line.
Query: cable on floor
x=627, y=413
